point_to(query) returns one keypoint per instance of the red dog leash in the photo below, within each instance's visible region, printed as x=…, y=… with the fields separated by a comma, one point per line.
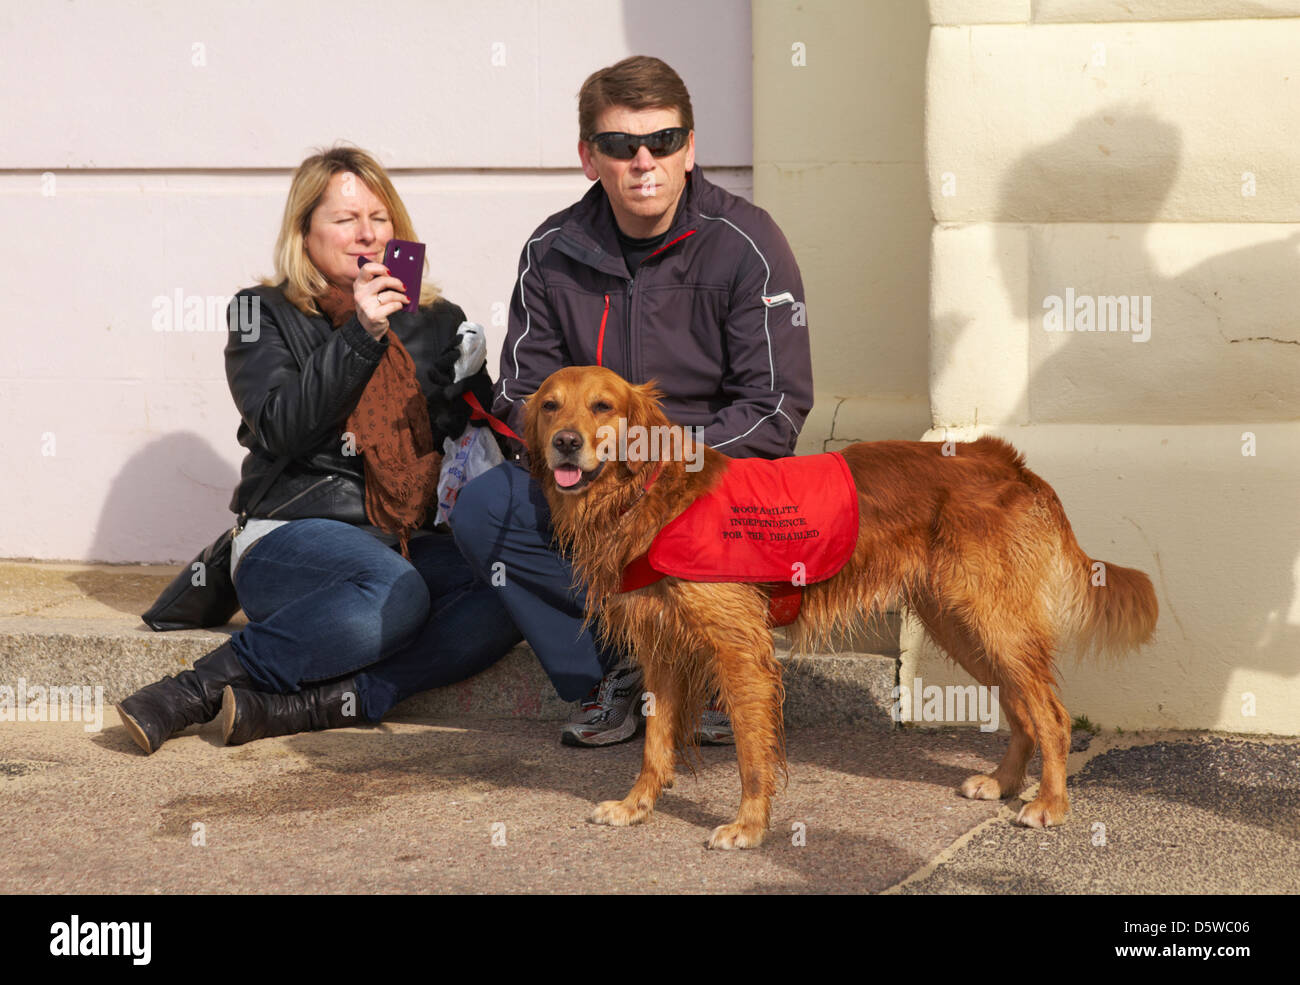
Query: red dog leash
x=476, y=412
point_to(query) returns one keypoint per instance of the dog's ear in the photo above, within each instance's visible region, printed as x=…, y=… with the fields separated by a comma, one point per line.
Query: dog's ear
x=532, y=435
x=644, y=414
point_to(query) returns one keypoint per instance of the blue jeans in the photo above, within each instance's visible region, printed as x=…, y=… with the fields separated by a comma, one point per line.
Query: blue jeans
x=503, y=526
x=326, y=600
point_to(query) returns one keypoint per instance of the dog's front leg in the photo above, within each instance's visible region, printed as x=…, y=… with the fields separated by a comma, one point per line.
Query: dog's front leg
x=662, y=706
x=750, y=682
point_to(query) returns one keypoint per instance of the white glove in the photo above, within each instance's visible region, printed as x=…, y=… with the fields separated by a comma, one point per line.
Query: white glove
x=473, y=351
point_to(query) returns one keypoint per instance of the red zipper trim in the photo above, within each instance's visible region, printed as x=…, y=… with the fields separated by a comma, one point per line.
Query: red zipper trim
x=690, y=232
x=600, y=343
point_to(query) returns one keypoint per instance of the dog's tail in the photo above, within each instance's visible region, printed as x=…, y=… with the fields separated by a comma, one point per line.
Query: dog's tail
x=1109, y=609
x=1097, y=608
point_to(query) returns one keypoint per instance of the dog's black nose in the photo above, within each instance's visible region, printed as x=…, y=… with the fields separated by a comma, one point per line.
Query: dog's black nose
x=567, y=441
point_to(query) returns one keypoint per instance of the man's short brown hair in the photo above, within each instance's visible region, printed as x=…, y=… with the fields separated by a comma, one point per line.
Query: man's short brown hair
x=639, y=82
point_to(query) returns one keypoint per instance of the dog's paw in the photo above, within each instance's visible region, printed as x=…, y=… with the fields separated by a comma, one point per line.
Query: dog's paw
x=981, y=787
x=735, y=836
x=1042, y=814
x=618, y=814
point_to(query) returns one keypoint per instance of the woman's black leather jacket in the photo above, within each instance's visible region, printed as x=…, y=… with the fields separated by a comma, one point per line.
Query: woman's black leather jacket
x=295, y=379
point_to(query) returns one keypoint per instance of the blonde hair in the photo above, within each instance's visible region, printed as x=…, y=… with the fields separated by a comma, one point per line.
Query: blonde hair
x=305, y=282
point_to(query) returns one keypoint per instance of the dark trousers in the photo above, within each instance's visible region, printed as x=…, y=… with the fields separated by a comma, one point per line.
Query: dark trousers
x=503, y=526
x=325, y=600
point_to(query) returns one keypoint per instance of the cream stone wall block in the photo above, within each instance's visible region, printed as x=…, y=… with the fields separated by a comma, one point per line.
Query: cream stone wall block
x=1206, y=319
x=980, y=11
x=1143, y=152
x=1046, y=11
x=961, y=12
x=1182, y=121
x=839, y=163
x=837, y=420
x=1202, y=520
x=839, y=82
x=979, y=342
x=864, y=286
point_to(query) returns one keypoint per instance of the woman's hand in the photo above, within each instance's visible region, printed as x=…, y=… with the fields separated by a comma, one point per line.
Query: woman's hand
x=378, y=294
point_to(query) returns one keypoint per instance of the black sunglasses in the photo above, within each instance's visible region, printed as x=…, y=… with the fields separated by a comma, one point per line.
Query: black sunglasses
x=624, y=146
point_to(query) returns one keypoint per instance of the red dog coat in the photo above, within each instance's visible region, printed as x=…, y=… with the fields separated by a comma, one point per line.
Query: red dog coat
x=787, y=523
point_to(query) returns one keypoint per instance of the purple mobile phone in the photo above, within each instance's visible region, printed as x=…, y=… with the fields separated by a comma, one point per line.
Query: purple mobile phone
x=405, y=261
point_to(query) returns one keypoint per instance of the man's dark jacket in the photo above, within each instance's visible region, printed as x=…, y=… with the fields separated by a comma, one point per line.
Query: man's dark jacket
x=295, y=380
x=716, y=317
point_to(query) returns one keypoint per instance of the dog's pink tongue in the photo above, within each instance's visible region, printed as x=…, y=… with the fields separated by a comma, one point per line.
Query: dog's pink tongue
x=567, y=475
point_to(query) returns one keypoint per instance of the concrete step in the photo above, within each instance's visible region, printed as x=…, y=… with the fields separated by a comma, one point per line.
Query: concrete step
x=70, y=624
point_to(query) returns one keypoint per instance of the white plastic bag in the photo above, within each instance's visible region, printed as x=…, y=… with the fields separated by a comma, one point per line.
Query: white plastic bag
x=466, y=458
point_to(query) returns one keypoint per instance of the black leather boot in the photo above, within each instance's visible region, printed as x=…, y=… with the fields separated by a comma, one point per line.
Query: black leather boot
x=154, y=714
x=247, y=715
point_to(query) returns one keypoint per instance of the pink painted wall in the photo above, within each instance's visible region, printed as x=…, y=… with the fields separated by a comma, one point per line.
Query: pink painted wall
x=130, y=173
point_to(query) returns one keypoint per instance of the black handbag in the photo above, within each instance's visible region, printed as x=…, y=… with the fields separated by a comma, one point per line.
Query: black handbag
x=203, y=594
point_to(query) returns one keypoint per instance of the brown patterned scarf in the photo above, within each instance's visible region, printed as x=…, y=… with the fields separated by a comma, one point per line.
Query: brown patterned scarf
x=391, y=425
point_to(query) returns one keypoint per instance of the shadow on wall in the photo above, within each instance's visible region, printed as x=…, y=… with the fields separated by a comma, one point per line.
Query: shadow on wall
x=1226, y=319
x=1222, y=348
x=169, y=501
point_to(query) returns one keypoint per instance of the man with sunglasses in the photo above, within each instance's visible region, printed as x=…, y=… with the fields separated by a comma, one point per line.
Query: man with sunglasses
x=657, y=274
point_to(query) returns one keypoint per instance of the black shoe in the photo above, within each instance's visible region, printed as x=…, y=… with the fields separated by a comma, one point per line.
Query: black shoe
x=247, y=715
x=155, y=713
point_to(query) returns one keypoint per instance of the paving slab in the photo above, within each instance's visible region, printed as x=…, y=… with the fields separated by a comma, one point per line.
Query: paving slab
x=500, y=807
x=1171, y=813
x=414, y=807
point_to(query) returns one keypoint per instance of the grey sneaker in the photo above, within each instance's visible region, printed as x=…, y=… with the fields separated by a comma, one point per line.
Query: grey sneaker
x=610, y=713
x=715, y=727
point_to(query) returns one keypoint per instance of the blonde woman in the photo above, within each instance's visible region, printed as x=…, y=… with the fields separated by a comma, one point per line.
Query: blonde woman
x=354, y=601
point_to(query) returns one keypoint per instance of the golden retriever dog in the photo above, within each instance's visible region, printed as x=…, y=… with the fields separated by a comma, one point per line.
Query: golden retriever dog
x=972, y=542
